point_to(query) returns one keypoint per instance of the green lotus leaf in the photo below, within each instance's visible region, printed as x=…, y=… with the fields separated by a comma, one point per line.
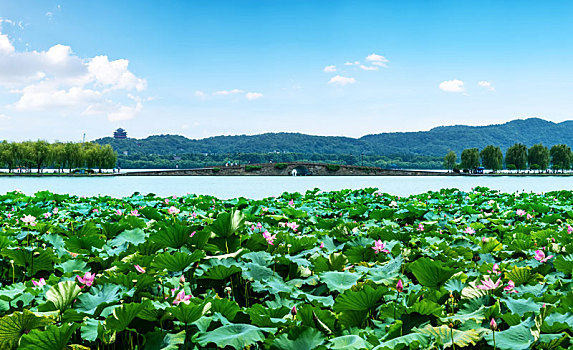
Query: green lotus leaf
x=339, y=281
x=189, y=313
x=91, y=329
x=176, y=262
x=236, y=336
x=227, y=224
x=73, y=265
x=172, y=235
x=123, y=315
x=431, y=273
x=426, y=307
x=446, y=335
x=227, y=308
x=521, y=275
x=164, y=340
x=555, y=323
x=254, y=272
x=12, y=327
x=361, y=300
x=564, y=263
x=517, y=337
x=216, y=269
x=412, y=340
x=63, y=294
x=84, y=243
x=98, y=297
x=52, y=338
x=136, y=236
x=350, y=342
x=310, y=338
x=522, y=306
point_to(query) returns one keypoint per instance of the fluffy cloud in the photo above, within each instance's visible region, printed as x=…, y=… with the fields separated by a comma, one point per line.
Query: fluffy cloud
x=253, y=95
x=452, y=86
x=377, y=60
x=330, y=69
x=341, y=81
x=228, y=92
x=58, y=80
x=355, y=63
x=486, y=85
x=368, y=67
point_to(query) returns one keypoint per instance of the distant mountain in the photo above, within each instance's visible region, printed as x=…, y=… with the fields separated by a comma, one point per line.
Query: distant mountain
x=435, y=142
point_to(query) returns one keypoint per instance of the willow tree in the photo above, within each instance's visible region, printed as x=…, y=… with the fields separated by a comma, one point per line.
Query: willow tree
x=538, y=157
x=516, y=156
x=491, y=157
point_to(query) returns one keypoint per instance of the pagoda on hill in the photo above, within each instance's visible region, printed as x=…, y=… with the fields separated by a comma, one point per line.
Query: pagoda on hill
x=120, y=134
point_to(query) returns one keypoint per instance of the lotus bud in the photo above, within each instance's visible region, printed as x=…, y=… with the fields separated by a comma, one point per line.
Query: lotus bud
x=182, y=279
x=293, y=311
x=228, y=291
x=492, y=324
x=399, y=286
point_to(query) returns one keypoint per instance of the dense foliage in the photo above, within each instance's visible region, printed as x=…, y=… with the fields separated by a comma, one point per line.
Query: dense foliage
x=348, y=269
x=435, y=142
x=41, y=154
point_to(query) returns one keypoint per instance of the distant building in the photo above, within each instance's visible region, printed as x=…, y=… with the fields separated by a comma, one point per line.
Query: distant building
x=120, y=134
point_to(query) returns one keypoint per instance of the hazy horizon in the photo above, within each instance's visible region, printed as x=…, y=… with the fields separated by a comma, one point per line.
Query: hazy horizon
x=335, y=68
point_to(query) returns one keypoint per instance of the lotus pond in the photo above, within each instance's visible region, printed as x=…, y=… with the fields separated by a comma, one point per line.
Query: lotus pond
x=321, y=270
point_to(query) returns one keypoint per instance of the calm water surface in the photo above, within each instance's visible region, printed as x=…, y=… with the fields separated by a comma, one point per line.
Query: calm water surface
x=257, y=187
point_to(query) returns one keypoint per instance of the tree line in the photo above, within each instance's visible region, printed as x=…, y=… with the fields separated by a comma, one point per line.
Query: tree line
x=517, y=157
x=28, y=155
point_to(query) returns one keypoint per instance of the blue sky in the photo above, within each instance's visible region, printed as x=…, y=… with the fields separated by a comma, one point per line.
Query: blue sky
x=243, y=67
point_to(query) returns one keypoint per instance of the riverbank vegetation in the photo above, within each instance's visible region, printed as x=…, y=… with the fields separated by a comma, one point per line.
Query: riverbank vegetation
x=348, y=269
x=38, y=155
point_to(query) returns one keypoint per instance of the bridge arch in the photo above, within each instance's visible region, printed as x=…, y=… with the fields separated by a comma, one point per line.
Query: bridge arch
x=301, y=170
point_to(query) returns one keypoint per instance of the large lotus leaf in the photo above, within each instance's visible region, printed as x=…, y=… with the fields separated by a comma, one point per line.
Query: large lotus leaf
x=91, y=329
x=310, y=338
x=164, y=340
x=73, y=265
x=12, y=291
x=136, y=236
x=227, y=308
x=339, y=281
x=261, y=258
x=350, y=342
x=176, y=262
x=521, y=275
x=227, y=224
x=236, y=336
x=273, y=286
x=552, y=341
x=216, y=269
x=517, y=337
x=12, y=327
x=522, y=306
x=97, y=298
x=172, y=235
x=266, y=316
x=464, y=315
x=556, y=323
x=471, y=291
x=123, y=315
x=431, y=273
x=315, y=317
x=426, y=307
x=189, y=313
x=446, y=335
x=53, y=338
x=84, y=243
x=63, y=294
x=386, y=273
x=412, y=340
x=361, y=300
x=454, y=285
x=256, y=272
x=33, y=260
x=564, y=263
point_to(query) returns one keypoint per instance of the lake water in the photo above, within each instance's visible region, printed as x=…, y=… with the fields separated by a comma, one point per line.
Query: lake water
x=257, y=187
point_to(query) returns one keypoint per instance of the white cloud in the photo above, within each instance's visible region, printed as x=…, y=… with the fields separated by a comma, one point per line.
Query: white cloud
x=200, y=93
x=60, y=81
x=253, y=95
x=368, y=67
x=341, y=81
x=452, y=86
x=228, y=92
x=355, y=63
x=377, y=60
x=330, y=69
x=486, y=84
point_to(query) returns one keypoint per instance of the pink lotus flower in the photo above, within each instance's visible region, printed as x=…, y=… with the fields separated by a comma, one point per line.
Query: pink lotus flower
x=29, y=220
x=321, y=245
x=420, y=227
x=569, y=229
x=488, y=284
x=181, y=297
x=393, y=204
x=469, y=230
x=509, y=287
x=540, y=256
x=520, y=212
x=292, y=225
x=88, y=279
x=270, y=238
x=379, y=247
x=192, y=234
x=291, y=203
x=96, y=211
x=41, y=282
x=400, y=286
x=495, y=269
x=173, y=211
x=118, y=212
x=139, y=269
x=134, y=213
x=166, y=200
x=9, y=215
x=47, y=215
x=55, y=210
x=73, y=254
x=529, y=216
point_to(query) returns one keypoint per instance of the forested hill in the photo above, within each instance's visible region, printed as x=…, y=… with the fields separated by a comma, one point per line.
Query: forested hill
x=435, y=142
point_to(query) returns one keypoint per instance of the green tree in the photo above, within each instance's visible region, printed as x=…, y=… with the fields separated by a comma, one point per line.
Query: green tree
x=491, y=158
x=516, y=156
x=560, y=156
x=470, y=158
x=450, y=160
x=40, y=152
x=538, y=157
